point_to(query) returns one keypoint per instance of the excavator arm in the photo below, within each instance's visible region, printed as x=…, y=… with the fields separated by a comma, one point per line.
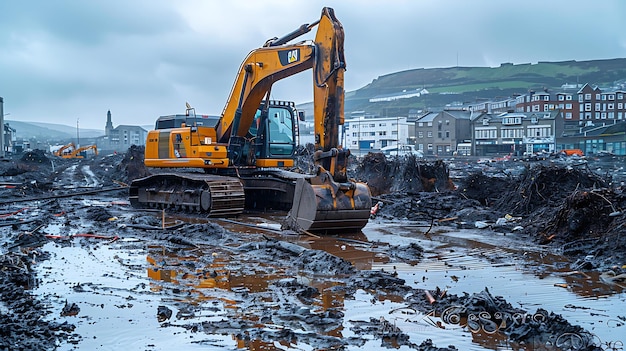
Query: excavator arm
x=277, y=60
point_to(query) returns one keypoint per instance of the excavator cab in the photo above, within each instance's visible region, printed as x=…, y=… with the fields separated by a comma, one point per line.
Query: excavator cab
x=271, y=139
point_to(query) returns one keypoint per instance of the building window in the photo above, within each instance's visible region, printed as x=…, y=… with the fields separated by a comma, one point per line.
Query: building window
x=598, y=97
x=447, y=122
x=611, y=96
x=430, y=147
x=447, y=134
x=611, y=106
x=587, y=97
x=420, y=134
x=439, y=135
x=568, y=106
x=430, y=134
x=384, y=132
x=597, y=106
x=568, y=115
x=620, y=96
x=430, y=124
x=485, y=122
x=561, y=97
x=382, y=124
x=420, y=124
x=588, y=106
x=568, y=98
x=486, y=134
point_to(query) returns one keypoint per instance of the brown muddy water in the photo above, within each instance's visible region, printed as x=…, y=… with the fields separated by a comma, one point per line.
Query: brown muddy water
x=125, y=288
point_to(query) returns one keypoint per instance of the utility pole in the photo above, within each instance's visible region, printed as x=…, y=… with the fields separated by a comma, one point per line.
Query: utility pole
x=77, y=135
x=1, y=127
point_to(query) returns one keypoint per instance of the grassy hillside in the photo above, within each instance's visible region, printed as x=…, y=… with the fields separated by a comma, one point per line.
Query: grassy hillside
x=470, y=84
x=49, y=131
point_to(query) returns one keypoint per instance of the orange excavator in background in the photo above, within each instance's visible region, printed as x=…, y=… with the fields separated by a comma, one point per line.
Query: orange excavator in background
x=81, y=152
x=64, y=150
x=247, y=152
x=71, y=151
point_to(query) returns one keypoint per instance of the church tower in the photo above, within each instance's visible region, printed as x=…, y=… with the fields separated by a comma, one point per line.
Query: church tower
x=109, y=126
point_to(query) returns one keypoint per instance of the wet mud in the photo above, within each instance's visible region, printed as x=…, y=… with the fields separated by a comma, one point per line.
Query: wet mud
x=76, y=258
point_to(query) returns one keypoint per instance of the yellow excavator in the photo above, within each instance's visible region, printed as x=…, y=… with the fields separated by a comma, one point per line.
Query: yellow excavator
x=246, y=152
x=81, y=152
x=64, y=150
x=71, y=151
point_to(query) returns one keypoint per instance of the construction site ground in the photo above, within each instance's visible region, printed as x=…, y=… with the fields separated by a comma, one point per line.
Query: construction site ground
x=460, y=254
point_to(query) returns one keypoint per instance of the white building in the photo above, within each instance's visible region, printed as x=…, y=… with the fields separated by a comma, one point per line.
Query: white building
x=363, y=134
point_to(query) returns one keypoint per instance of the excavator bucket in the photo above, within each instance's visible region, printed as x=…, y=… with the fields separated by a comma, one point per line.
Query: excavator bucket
x=324, y=206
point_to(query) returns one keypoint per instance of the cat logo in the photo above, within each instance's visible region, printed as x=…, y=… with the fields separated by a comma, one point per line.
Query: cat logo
x=289, y=56
x=292, y=56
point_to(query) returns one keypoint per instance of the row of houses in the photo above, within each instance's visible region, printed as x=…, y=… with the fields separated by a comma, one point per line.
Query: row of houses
x=587, y=119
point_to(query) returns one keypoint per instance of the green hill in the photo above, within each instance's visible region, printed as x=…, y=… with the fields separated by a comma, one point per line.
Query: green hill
x=471, y=84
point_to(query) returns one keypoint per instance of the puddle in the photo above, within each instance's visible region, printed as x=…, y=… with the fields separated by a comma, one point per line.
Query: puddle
x=125, y=288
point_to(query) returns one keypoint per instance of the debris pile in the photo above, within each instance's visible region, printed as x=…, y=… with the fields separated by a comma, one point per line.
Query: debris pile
x=35, y=156
x=482, y=312
x=23, y=327
x=403, y=174
x=132, y=167
x=544, y=186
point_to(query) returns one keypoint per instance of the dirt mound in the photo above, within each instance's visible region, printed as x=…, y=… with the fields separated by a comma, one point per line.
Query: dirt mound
x=545, y=185
x=484, y=188
x=402, y=174
x=483, y=312
x=25, y=328
x=35, y=156
x=588, y=223
x=132, y=166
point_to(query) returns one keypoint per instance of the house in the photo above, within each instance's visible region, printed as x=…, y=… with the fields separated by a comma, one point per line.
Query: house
x=597, y=139
x=440, y=133
x=120, y=138
x=514, y=133
x=363, y=133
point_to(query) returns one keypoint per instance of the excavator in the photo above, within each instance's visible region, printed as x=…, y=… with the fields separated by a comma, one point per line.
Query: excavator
x=247, y=152
x=64, y=150
x=71, y=151
x=81, y=152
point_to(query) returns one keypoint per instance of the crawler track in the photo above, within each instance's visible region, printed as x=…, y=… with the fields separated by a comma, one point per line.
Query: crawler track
x=216, y=195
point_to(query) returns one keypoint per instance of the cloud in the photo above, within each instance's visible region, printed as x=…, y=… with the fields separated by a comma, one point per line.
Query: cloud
x=69, y=59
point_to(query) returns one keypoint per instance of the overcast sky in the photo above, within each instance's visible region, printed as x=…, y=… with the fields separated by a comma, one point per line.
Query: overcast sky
x=69, y=61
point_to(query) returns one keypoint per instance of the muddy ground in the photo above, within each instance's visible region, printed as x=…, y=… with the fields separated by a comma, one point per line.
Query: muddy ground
x=571, y=207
